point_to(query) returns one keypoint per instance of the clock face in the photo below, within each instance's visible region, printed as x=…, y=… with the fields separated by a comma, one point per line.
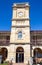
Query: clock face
x=20, y=13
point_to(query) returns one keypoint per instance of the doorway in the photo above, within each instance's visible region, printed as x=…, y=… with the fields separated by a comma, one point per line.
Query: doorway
x=19, y=55
x=3, y=53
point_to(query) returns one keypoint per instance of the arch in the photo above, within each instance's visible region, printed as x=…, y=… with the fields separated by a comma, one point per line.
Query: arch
x=37, y=53
x=19, y=49
x=19, y=55
x=3, y=53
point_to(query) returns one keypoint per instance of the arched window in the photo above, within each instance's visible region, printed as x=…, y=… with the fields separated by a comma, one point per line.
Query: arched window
x=20, y=35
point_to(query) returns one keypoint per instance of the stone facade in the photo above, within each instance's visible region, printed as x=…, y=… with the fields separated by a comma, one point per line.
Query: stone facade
x=20, y=22
x=20, y=41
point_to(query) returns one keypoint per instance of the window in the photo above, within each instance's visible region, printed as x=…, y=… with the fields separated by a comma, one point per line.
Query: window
x=8, y=37
x=20, y=35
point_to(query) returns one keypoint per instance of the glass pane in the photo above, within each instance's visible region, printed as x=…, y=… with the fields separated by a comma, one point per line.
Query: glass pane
x=20, y=35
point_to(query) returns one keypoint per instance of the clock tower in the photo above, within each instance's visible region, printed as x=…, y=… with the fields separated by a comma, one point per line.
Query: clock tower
x=20, y=33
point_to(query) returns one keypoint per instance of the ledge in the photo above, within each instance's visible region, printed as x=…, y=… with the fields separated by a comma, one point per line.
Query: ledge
x=22, y=19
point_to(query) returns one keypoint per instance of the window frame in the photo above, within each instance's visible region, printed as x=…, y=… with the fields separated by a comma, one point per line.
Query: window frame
x=20, y=35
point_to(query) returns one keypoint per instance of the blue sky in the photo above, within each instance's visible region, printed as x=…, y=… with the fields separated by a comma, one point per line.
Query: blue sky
x=6, y=14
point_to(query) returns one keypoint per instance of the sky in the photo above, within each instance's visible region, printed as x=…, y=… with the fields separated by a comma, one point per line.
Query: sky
x=6, y=14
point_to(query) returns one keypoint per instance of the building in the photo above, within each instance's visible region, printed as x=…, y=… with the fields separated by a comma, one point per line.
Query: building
x=20, y=43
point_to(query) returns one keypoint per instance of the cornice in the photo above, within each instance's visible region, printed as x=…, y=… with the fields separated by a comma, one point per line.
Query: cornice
x=20, y=43
x=20, y=26
x=20, y=5
x=22, y=19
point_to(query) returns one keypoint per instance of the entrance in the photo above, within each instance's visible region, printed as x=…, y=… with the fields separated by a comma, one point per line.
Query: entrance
x=37, y=55
x=3, y=53
x=19, y=55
